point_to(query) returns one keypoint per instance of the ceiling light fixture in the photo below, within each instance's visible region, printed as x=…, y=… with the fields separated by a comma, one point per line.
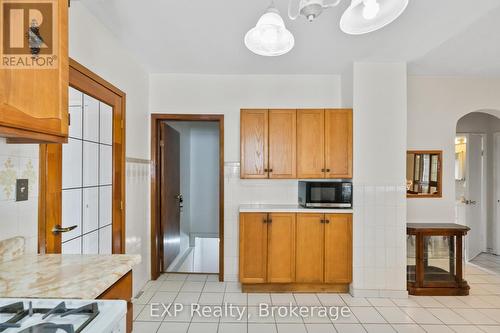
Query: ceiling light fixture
x=364, y=16
x=270, y=37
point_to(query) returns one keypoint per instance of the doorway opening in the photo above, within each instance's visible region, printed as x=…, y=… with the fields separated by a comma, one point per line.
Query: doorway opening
x=477, y=180
x=187, y=194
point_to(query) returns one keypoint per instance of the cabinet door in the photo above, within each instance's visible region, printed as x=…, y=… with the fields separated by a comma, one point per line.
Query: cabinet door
x=282, y=143
x=253, y=138
x=310, y=248
x=338, y=143
x=338, y=248
x=311, y=143
x=281, y=248
x=34, y=101
x=253, y=247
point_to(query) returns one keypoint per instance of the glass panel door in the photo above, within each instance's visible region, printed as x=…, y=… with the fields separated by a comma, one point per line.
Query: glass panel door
x=87, y=173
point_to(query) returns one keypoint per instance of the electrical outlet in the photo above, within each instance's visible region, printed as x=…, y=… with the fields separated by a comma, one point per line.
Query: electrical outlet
x=21, y=189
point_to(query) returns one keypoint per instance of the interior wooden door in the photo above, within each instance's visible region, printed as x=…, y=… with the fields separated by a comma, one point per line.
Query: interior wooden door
x=170, y=193
x=311, y=143
x=338, y=248
x=282, y=144
x=310, y=248
x=253, y=247
x=254, y=144
x=338, y=143
x=281, y=248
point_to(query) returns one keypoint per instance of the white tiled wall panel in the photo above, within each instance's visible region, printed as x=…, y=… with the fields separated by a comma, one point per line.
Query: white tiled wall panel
x=72, y=212
x=90, y=243
x=19, y=218
x=105, y=205
x=90, y=119
x=105, y=165
x=72, y=247
x=106, y=124
x=72, y=164
x=90, y=164
x=75, y=97
x=105, y=240
x=75, y=130
x=90, y=209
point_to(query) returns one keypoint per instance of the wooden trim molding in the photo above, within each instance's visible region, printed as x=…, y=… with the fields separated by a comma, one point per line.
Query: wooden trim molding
x=156, y=119
x=50, y=193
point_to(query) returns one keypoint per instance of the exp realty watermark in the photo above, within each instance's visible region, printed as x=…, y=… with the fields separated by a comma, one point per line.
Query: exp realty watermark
x=29, y=34
x=237, y=312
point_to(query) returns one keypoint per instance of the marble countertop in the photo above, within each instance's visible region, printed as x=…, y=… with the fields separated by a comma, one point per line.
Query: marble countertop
x=262, y=208
x=62, y=276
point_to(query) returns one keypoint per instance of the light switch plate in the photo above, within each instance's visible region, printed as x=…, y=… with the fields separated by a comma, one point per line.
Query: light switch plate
x=21, y=189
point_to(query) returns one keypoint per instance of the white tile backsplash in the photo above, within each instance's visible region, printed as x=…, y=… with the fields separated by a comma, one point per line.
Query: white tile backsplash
x=19, y=218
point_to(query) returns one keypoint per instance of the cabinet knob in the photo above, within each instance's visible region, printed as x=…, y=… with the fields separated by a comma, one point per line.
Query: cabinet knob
x=327, y=221
x=327, y=170
x=270, y=170
x=322, y=170
x=266, y=170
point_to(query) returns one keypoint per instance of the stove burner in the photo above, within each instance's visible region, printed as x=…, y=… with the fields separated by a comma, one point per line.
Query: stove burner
x=48, y=328
x=18, y=311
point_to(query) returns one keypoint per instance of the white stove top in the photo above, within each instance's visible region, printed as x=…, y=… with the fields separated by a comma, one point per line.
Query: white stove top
x=51, y=316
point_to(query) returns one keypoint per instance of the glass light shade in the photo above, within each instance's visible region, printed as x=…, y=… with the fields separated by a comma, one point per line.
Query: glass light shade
x=270, y=37
x=355, y=20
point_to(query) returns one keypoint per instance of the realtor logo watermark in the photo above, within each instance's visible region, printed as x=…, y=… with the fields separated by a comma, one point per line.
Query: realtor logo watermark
x=29, y=34
x=241, y=313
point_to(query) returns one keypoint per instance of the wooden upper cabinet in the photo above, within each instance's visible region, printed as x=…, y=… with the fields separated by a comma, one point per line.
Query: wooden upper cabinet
x=338, y=143
x=254, y=143
x=310, y=248
x=338, y=248
x=34, y=102
x=282, y=143
x=281, y=248
x=253, y=247
x=310, y=143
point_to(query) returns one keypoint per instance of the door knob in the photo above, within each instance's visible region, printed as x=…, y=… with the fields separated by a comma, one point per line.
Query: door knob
x=58, y=229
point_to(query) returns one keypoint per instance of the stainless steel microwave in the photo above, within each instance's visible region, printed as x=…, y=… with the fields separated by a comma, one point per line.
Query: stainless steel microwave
x=325, y=194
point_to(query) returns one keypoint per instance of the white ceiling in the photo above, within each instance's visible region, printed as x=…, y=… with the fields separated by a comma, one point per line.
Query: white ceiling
x=444, y=37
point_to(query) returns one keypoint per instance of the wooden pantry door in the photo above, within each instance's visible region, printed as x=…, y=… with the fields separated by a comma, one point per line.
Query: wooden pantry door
x=311, y=143
x=254, y=144
x=338, y=143
x=52, y=224
x=282, y=144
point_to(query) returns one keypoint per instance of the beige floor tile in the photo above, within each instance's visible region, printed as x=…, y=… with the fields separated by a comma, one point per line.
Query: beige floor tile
x=451, y=302
x=261, y=328
x=283, y=299
x=211, y=298
x=235, y=298
x=197, y=277
x=291, y=328
x=137, y=308
x=190, y=286
x=489, y=329
x=187, y=298
x=320, y=328
x=214, y=287
x=145, y=327
x=183, y=316
x=465, y=329
x=255, y=316
x=350, y=328
x=492, y=313
x=408, y=302
x=171, y=286
x=213, y=278
x=145, y=315
x=233, y=287
x=368, y=315
x=448, y=316
x=475, y=317
x=306, y=299
x=256, y=299
x=144, y=298
x=203, y=328
x=408, y=328
x=331, y=299
x=421, y=316
x=163, y=297
x=381, y=302
x=177, y=277
x=173, y=328
x=395, y=315
x=232, y=328
x=378, y=328
x=437, y=328
x=354, y=301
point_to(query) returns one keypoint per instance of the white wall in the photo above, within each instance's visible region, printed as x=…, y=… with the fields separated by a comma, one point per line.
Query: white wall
x=92, y=45
x=204, y=179
x=434, y=107
x=227, y=94
x=379, y=98
x=19, y=218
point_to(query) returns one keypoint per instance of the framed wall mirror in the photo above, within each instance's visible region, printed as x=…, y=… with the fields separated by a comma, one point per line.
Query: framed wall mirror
x=423, y=174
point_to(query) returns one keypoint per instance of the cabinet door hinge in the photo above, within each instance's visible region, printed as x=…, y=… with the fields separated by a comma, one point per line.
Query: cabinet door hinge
x=121, y=205
x=69, y=119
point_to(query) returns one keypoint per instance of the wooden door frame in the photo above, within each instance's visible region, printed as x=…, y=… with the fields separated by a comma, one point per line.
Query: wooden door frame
x=50, y=193
x=156, y=119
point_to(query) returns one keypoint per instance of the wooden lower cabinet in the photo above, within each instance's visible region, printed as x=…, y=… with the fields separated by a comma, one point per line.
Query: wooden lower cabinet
x=310, y=248
x=338, y=248
x=122, y=290
x=295, y=252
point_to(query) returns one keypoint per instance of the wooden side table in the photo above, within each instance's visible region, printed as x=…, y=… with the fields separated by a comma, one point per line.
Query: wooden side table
x=435, y=259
